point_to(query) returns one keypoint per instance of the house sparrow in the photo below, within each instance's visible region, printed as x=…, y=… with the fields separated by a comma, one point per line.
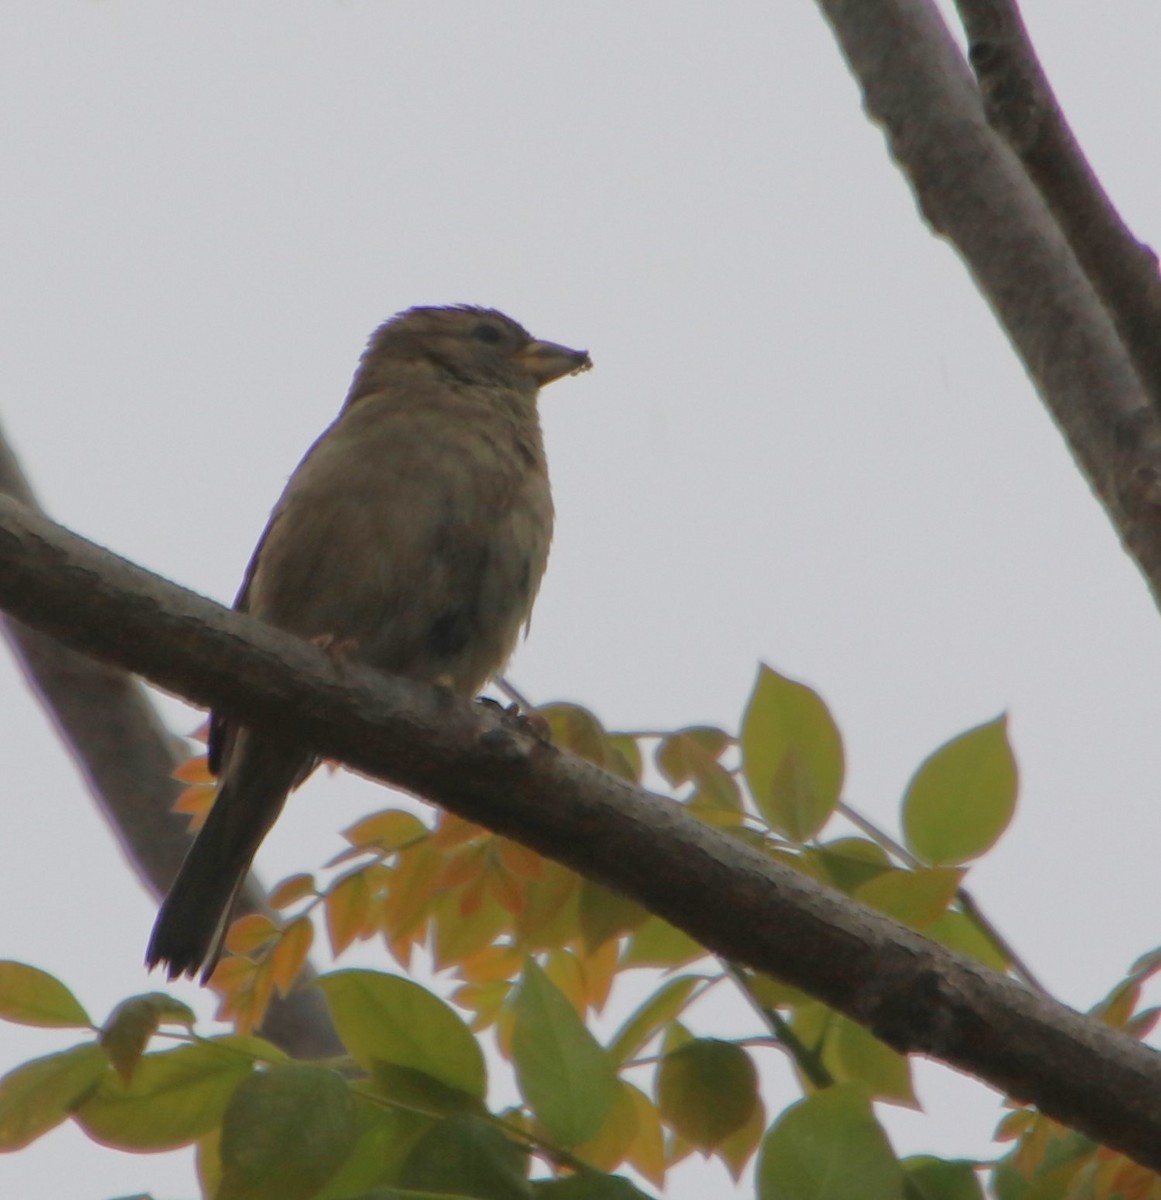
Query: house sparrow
x=412, y=537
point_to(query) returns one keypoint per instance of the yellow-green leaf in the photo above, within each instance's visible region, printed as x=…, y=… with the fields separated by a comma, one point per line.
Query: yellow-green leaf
x=286, y=1131
x=605, y=914
x=652, y=1015
x=930, y=1178
x=914, y=897
x=658, y=944
x=386, y=1019
x=853, y=1054
x=707, y=1089
x=829, y=1147
x=792, y=755
x=30, y=996
x=958, y=932
x=172, y=1099
x=37, y=1096
x=565, y=1076
x=134, y=1021
x=962, y=797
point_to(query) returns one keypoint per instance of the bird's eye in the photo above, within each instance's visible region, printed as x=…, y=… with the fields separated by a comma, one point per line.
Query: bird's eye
x=487, y=333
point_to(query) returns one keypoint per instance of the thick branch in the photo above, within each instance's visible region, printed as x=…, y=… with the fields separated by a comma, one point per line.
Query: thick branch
x=127, y=758
x=739, y=903
x=974, y=191
x=1023, y=108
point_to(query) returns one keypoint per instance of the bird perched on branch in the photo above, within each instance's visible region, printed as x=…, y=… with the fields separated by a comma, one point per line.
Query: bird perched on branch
x=412, y=537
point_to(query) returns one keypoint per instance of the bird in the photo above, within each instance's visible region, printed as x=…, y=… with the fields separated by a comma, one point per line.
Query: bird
x=412, y=537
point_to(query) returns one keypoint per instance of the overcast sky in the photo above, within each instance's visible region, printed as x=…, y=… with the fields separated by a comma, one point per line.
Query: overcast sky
x=805, y=440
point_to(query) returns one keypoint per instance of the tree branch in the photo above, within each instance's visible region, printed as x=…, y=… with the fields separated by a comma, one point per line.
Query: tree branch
x=484, y=766
x=974, y=191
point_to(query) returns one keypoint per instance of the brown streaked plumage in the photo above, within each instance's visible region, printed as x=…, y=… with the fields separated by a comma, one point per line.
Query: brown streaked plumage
x=413, y=535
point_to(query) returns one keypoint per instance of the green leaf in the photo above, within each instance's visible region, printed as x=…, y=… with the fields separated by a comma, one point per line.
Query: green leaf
x=917, y=898
x=792, y=755
x=384, y=1138
x=133, y=1022
x=565, y=1076
x=385, y=1019
x=930, y=1178
x=173, y=1098
x=829, y=1147
x=468, y=1156
x=707, y=1089
x=286, y=1131
x=418, y=1090
x=658, y=1010
x=849, y=862
x=853, y=1054
x=962, y=797
x=30, y=996
x=37, y=1096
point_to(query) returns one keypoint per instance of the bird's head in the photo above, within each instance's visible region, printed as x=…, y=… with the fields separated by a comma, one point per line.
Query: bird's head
x=475, y=345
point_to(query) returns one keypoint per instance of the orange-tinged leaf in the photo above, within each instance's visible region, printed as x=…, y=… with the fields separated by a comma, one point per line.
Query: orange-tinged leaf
x=506, y=888
x=457, y=935
x=196, y=802
x=133, y=1022
x=387, y=830
x=484, y=999
x=195, y=770
x=564, y=971
x=599, y=969
x=647, y=1151
x=348, y=911
x=737, y=1148
x=292, y=889
x=411, y=892
x=490, y=964
x=1014, y=1125
x=30, y=996
x=549, y=917
x=611, y=1145
x=455, y=831
x=250, y=933
x=519, y=859
x=707, y=1089
x=462, y=867
x=289, y=955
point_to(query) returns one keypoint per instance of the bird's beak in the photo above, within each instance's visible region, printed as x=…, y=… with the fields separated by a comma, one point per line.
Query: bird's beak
x=546, y=361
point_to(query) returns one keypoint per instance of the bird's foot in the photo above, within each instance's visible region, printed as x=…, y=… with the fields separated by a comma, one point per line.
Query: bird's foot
x=339, y=650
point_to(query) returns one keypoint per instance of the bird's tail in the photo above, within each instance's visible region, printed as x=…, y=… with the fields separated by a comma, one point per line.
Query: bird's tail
x=191, y=926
